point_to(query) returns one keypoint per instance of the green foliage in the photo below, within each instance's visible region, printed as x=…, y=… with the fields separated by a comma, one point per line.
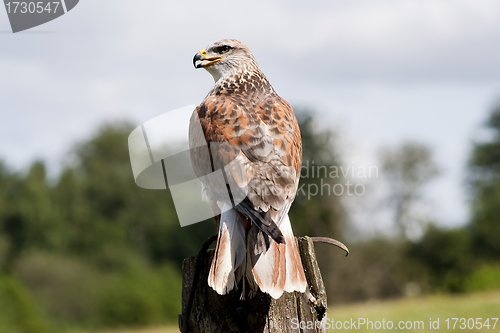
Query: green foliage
x=484, y=178
x=64, y=286
x=18, y=311
x=407, y=167
x=487, y=277
x=445, y=258
x=314, y=214
x=29, y=218
x=93, y=250
x=91, y=247
x=78, y=293
x=374, y=269
x=141, y=297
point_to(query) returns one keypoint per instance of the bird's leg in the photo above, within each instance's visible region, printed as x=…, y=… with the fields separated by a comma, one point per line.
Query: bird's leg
x=242, y=296
x=248, y=223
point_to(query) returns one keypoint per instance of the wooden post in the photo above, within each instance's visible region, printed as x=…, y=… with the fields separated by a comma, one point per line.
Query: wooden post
x=205, y=311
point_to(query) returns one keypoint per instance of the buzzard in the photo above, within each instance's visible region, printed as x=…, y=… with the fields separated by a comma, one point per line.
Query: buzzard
x=248, y=133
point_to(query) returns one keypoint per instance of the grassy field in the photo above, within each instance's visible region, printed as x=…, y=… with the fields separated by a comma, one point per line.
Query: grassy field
x=481, y=305
x=148, y=330
x=414, y=311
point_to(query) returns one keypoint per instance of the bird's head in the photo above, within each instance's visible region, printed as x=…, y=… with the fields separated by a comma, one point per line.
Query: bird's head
x=225, y=57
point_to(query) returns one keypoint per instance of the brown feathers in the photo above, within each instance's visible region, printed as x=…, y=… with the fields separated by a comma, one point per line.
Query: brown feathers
x=250, y=133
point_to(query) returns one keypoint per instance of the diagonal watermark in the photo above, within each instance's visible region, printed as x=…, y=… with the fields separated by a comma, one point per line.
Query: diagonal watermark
x=156, y=162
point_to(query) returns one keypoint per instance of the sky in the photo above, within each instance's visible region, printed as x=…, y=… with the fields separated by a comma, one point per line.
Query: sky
x=378, y=72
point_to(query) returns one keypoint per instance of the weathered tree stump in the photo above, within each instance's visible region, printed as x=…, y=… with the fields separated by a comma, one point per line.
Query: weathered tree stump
x=203, y=310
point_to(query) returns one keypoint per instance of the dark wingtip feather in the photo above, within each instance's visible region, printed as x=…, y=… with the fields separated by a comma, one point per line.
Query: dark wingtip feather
x=277, y=235
x=263, y=221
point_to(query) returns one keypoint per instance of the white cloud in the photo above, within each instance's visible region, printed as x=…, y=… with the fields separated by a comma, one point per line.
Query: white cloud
x=382, y=71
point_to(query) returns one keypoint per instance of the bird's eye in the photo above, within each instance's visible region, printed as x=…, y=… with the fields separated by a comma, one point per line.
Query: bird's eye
x=222, y=49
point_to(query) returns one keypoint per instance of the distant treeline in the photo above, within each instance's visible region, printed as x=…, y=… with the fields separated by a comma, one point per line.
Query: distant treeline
x=91, y=249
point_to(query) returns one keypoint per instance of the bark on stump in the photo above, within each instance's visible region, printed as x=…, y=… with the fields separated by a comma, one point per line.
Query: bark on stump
x=211, y=312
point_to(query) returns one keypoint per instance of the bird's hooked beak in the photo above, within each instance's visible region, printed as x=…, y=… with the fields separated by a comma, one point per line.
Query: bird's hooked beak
x=201, y=60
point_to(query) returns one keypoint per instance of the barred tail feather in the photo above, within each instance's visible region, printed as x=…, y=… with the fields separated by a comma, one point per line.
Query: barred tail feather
x=230, y=252
x=295, y=277
x=268, y=267
x=279, y=268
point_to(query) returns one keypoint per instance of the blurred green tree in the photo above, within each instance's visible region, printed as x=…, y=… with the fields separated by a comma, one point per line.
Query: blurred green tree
x=407, y=168
x=484, y=180
x=29, y=219
x=317, y=210
x=111, y=216
x=443, y=259
x=92, y=227
x=317, y=213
